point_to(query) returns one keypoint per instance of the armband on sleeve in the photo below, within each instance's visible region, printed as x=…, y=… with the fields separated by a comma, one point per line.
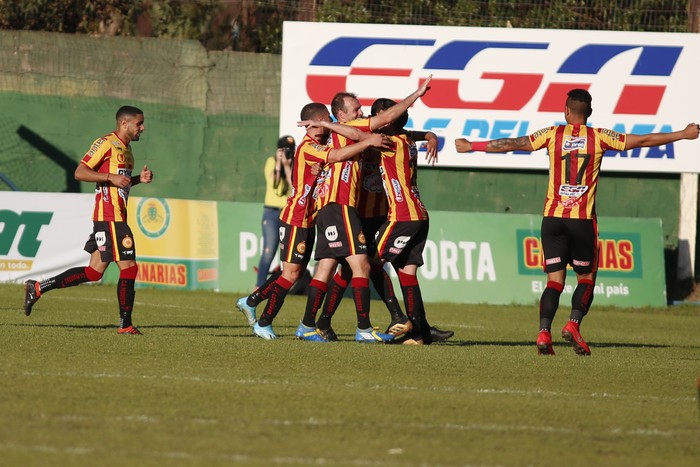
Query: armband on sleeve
x=479, y=146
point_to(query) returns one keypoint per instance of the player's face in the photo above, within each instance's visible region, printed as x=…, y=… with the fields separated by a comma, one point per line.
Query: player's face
x=134, y=127
x=352, y=110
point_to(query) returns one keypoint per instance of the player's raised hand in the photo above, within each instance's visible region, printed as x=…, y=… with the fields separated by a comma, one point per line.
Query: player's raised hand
x=431, y=151
x=425, y=86
x=463, y=145
x=310, y=124
x=146, y=175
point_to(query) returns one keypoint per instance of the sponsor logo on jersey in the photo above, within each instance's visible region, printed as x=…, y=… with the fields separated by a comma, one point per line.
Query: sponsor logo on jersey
x=573, y=191
x=555, y=260
x=401, y=242
x=581, y=263
x=331, y=233
x=574, y=143
x=282, y=232
x=398, y=194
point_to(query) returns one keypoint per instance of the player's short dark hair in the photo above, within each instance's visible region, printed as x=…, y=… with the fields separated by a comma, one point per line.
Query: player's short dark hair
x=579, y=102
x=382, y=104
x=128, y=111
x=338, y=102
x=313, y=110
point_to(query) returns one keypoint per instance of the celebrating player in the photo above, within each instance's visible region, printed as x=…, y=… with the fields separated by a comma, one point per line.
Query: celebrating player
x=108, y=163
x=569, y=226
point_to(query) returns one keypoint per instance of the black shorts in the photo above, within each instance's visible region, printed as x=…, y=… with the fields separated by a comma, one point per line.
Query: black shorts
x=296, y=243
x=402, y=242
x=339, y=232
x=370, y=227
x=113, y=240
x=570, y=241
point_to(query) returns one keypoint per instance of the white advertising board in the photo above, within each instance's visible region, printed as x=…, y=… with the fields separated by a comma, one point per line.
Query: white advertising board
x=43, y=234
x=493, y=83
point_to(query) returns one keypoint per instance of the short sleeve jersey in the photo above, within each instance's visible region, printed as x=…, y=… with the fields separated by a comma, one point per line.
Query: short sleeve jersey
x=341, y=181
x=300, y=210
x=575, y=155
x=110, y=155
x=372, y=200
x=400, y=180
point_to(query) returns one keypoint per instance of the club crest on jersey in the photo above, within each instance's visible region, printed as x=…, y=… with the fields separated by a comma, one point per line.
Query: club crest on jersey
x=574, y=143
x=301, y=248
x=127, y=242
x=361, y=237
x=331, y=233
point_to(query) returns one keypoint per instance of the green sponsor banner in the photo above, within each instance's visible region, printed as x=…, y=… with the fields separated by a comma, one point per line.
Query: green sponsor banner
x=484, y=258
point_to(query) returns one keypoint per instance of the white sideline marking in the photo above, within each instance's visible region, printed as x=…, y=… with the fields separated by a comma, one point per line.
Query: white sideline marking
x=378, y=387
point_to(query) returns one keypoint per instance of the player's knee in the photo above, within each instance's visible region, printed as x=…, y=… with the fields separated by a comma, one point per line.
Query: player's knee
x=93, y=274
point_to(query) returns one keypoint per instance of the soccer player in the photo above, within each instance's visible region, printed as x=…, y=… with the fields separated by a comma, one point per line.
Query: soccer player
x=299, y=215
x=109, y=163
x=340, y=235
x=401, y=239
x=569, y=227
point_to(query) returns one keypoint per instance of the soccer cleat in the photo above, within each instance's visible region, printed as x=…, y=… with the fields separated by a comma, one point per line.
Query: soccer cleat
x=328, y=334
x=31, y=295
x=265, y=332
x=438, y=335
x=371, y=335
x=399, y=326
x=571, y=334
x=248, y=311
x=129, y=330
x=544, y=343
x=307, y=333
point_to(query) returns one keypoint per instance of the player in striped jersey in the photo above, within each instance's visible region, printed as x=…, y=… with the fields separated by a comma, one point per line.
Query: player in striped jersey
x=298, y=218
x=569, y=227
x=109, y=163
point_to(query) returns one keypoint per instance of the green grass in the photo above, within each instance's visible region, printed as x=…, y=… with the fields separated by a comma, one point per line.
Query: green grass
x=199, y=389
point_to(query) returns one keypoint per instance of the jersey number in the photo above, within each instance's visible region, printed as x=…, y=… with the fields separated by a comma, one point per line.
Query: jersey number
x=581, y=170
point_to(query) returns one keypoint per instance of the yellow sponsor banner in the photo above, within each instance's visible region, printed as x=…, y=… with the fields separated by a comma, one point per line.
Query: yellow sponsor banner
x=177, y=242
x=15, y=265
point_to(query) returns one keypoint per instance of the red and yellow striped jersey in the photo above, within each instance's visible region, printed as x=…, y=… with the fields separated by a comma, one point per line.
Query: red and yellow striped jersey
x=109, y=154
x=340, y=181
x=399, y=177
x=300, y=210
x=372, y=200
x=575, y=155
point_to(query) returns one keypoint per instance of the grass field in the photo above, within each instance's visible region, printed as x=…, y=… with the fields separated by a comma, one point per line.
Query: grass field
x=199, y=389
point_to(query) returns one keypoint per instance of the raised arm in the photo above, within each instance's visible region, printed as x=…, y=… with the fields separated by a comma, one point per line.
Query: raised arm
x=395, y=111
x=658, y=139
x=348, y=131
x=521, y=143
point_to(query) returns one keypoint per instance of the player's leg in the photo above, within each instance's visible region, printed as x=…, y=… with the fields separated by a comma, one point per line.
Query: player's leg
x=315, y=295
x=555, y=253
x=126, y=293
x=359, y=264
x=33, y=290
x=584, y=254
x=336, y=289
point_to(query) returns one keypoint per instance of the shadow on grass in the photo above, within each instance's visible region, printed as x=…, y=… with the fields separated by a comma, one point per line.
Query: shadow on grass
x=556, y=344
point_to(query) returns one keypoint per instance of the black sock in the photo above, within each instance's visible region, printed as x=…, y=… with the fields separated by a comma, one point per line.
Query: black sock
x=549, y=302
x=68, y=278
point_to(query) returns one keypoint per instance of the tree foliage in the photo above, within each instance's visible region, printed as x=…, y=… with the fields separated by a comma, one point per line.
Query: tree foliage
x=256, y=26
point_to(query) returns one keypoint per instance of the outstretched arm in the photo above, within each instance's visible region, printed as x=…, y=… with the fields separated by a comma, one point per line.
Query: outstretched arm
x=348, y=131
x=430, y=145
x=658, y=139
x=521, y=143
x=392, y=113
